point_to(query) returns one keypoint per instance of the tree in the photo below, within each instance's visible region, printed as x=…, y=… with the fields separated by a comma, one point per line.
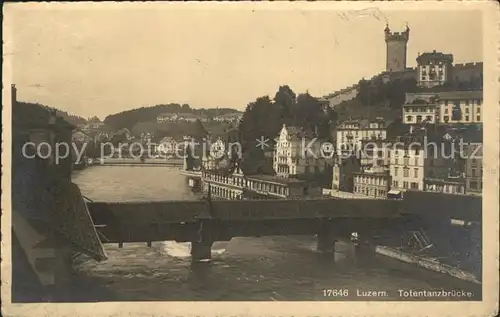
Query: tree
x=285, y=99
x=364, y=92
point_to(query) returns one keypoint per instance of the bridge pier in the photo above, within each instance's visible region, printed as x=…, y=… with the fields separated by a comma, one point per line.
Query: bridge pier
x=326, y=239
x=201, y=250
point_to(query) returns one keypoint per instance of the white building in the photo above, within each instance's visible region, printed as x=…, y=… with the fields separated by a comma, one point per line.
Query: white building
x=407, y=167
x=166, y=117
x=447, y=186
x=168, y=146
x=420, y=111
x=229, y=117
x=176, y=117
x=411, y=164
x=350, y=134
x=460, y=107
x=187, y=117
x=292, y=157
x=373, y=182
x=434, y=69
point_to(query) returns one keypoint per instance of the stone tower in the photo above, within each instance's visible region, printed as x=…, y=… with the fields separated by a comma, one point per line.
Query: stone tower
x=396, y=49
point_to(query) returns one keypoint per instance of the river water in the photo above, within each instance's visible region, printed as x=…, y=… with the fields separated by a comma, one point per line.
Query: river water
x=266, y=268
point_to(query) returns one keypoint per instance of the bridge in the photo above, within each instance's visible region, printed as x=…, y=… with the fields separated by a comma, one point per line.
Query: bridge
x=203, y=222
x=146, y=162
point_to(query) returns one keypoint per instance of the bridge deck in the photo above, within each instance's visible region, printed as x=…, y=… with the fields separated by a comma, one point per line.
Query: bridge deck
x=242, y=210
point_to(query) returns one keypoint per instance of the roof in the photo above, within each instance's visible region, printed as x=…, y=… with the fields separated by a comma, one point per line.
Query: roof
x=275, y=179
x=298, y=132
x=427, y=57
x=460, y=95
x=365, y=124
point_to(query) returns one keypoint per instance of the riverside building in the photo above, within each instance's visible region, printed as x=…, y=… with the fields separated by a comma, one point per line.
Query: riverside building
x=298, y=153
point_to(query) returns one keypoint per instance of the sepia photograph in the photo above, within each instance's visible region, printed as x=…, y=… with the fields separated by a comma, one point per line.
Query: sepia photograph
x=251, y=152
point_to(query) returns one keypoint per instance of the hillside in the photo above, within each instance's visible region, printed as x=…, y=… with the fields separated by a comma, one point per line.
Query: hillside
x=129, y=118
x=385, y=99
x=353, y=109
x=177, y=130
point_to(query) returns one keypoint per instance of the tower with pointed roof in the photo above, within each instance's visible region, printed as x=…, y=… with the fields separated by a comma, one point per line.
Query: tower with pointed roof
x=396, y=49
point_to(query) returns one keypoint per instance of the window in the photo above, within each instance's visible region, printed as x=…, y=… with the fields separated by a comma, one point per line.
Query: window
x=473, y=172
x=406, y=172
x=428, y=118
x=405, y=185
x=406, y=161
x=419, y=118
x=467, y=110
x=396, y=161
x=473, y=162
x=478, y=110
x=466, y=118
x=395, y=183
x=396, y=169
x=416, y=161
x=445, y=110
x=414, y=185
x=415, y=172
x=473, y=185
x=446, y=118
x=478, y=118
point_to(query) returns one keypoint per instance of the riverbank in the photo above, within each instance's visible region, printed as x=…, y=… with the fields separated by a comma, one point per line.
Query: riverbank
x=129, y=162
x=427, y=263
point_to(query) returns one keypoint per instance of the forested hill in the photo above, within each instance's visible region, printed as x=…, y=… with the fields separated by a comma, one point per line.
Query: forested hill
x=128, y=119
x=73, y=119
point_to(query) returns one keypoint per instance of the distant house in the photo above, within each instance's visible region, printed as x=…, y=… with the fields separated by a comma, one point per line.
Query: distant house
x=166, y=117
x=168, y=146
x=178, y=117
x=187, y=117
x=228, y=117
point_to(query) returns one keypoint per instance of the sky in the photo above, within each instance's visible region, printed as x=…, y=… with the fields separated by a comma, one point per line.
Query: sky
x=101, y=60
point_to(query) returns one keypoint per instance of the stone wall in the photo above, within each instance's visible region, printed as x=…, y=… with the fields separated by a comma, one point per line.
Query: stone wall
x=465, y=72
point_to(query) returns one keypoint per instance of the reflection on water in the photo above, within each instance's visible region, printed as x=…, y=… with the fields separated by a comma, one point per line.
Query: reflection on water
x=265, y=268
x=126, y=183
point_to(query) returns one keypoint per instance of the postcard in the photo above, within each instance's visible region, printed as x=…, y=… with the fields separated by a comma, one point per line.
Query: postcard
x=328, y=158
